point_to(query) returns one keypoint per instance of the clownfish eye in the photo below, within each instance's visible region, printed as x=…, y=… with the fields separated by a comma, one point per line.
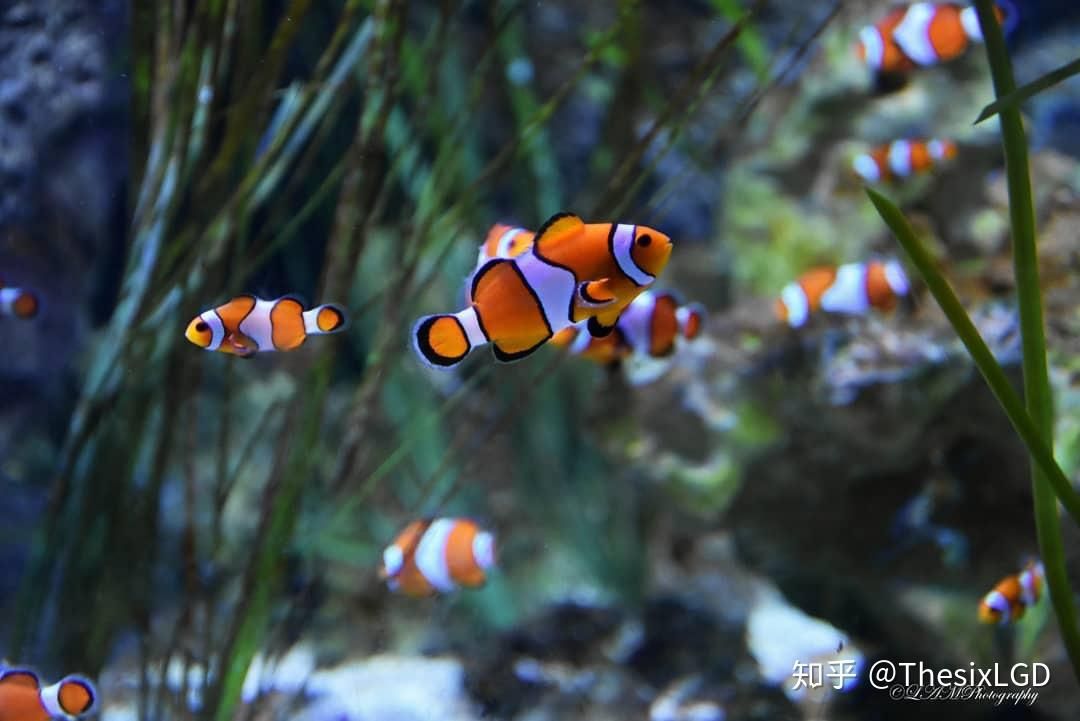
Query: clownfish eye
x=644, y=240
x=202, y=327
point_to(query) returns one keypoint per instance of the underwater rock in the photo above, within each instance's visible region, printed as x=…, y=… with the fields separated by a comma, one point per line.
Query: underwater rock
x=390, y=688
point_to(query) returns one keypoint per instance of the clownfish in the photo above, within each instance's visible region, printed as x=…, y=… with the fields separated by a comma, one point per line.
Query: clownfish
x=437, y=556
x=504, y=241
x=17, y=302
x=923, y=34
x=902, y=159
x=22, y=697
x=1013, y=595
x=850, y=289
x=247, y=325
x=572, y=272
x=650, y=326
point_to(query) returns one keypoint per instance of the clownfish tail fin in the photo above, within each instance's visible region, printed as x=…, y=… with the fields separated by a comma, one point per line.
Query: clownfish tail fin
x=71, y=697
x=327, y=318
x=441, y=341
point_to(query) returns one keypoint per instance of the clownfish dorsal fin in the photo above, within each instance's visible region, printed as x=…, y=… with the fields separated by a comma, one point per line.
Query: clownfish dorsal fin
x=20, y=677
x=558, y=228
x=596, y=293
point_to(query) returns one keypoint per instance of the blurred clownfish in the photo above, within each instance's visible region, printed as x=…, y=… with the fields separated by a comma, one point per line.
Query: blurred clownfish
x=504, y=241
x=923, y=34
x=1013, y=595
x=22, y=697
x=17, y=302
x=572, y=272
x=650, y=326
x=850, y=289
x=247, y=325
x=902, y=159
x=437, y=556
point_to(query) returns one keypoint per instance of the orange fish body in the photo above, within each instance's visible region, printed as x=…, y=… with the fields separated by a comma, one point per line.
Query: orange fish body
x=17, y=302
x=247, y=325
x=922, y=34
x=22, y=698
x=437, y=556
x=849, y=289
x=572, y=272
x=1013, y=595
x=902, y=159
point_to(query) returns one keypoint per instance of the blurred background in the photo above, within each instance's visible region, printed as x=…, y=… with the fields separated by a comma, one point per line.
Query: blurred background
x=201, y=534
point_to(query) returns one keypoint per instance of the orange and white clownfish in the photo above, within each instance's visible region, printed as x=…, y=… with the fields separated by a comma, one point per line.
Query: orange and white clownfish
x=572, y=272
x=1013, y=595
x=849, y=289
x=22, y=697
x=504, y=241
x=650, y=326
x=247, y=325
x=923, y=34
x=902, y=159
x=17, y=302
x=438, y=555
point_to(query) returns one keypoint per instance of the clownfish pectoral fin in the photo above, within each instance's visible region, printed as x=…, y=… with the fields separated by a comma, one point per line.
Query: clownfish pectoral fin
x=20, y=677
x=596, y=293
x=557, y=229
x=597, y=329
x=241, y=344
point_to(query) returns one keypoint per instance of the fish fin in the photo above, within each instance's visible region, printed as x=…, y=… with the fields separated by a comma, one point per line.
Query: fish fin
x=440, y=340
x=598, y=329
x=20, y=677
x=296, y=297
x=326, y=318
x=242, y=344
x=504, y=356
x=76, y=695
x=556, y=229
x=596, y=293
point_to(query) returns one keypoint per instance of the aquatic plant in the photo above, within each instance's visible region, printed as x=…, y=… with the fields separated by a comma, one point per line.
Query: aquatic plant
x=1034, y=423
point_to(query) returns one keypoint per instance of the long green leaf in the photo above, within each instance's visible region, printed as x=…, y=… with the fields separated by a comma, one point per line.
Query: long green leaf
x=980, y=353
x=1040, y=403
x=1018, y=96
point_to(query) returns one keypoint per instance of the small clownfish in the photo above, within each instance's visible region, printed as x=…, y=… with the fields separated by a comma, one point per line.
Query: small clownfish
x=437, y=556
x=923, y=34
x=572, y=272
x=247, y=325
x=650, y=326
x=850, y=289
x=22, y=698
x=504, y=241
x=1013, y=595
x=902, y=159
x=17, y=302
